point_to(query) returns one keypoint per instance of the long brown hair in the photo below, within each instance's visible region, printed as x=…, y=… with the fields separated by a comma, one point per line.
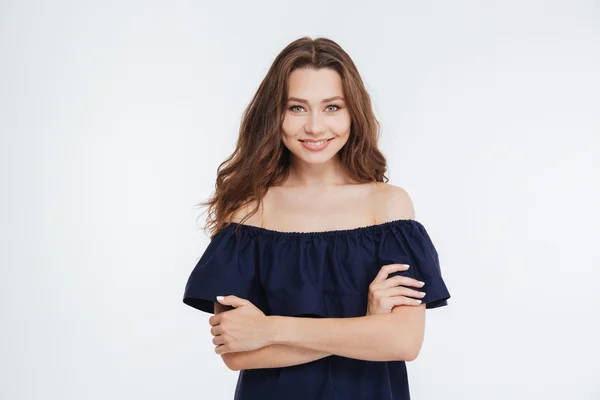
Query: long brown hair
x=261, y=160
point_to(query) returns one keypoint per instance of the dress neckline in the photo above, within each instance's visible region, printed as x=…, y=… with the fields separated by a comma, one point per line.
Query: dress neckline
x=336, y=232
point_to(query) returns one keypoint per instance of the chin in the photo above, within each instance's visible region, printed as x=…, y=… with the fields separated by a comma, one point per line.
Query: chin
x=315, y=158
x=315, y=161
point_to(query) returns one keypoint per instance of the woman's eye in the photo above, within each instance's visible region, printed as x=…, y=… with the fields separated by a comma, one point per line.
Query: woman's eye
x=294, y=108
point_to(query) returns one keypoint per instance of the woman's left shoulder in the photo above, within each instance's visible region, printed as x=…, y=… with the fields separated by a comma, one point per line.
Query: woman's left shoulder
x=390, y=202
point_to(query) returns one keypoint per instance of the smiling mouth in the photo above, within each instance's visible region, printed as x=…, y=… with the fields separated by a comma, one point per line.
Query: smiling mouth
x=315, y=141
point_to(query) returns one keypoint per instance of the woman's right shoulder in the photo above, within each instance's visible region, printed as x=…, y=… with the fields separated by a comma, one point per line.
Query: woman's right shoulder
x=239, y=214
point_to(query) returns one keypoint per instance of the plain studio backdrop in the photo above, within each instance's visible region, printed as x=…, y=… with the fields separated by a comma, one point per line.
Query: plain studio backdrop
x=114, y=116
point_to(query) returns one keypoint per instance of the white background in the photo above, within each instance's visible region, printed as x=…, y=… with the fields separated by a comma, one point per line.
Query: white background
x=114, y=116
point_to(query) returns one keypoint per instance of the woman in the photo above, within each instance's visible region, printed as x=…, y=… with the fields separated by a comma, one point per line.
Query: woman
x=313, y=255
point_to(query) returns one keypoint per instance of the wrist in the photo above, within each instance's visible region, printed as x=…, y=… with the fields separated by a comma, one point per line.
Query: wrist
x=275, y=329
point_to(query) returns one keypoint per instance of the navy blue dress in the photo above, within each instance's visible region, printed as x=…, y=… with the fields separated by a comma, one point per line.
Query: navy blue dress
x=322, y=274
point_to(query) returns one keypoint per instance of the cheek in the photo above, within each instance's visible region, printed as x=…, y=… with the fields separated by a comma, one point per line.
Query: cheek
x=290, y=126
x=287, y=138
x=340, y=126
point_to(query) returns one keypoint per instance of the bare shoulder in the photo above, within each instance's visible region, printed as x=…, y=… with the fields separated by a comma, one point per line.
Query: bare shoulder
x=391, y=202
x=239, y=214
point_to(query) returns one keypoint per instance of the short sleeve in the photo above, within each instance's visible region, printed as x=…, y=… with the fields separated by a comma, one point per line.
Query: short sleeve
x=409, y=243
x=227, y=267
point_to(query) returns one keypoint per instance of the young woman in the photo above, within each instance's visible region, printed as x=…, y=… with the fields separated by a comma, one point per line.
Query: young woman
x=325, y=273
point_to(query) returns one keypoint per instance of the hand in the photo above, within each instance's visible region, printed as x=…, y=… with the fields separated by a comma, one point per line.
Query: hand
x=244, y=328
x=385, y=294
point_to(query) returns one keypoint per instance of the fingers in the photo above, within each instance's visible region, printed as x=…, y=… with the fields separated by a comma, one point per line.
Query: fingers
x=386, y=293
x=215, y=319
x=388, y=269
x=388, y=303
x=403, y=301
x=222, y=349
x=232, y=301
x=399, y=291
x=218, y=340
x=396, y=281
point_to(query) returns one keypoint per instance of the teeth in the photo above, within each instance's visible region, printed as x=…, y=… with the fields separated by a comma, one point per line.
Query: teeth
x=316, y=143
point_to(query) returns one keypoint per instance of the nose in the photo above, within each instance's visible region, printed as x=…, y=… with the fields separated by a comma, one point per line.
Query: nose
x=315, y=124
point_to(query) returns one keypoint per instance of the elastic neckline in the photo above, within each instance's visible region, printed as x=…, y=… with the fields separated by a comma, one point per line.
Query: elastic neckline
x=358, y=230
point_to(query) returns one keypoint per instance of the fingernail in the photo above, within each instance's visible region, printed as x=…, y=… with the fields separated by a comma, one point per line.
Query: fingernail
x=418, y=301
x=220, y=297
x=422, y=283
x=423, y=293
x=407, y=266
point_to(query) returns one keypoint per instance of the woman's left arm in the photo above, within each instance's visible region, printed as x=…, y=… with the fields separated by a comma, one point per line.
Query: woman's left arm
x=382, y=337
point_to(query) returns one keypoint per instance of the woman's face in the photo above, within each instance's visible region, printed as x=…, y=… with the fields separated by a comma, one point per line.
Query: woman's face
x=315, y=112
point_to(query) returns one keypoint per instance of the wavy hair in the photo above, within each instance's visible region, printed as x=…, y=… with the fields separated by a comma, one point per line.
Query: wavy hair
x=260, y=158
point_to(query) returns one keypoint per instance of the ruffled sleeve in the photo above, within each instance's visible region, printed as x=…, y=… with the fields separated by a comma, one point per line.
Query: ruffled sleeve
x=227, y=267
x=409, y=243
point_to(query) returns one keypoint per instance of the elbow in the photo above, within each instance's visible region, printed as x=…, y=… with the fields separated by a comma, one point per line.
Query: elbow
x=412, y=353
x=409, y=351
x=231, y=361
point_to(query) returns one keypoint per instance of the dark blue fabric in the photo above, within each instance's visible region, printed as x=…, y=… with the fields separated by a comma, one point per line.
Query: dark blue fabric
x=321, y=275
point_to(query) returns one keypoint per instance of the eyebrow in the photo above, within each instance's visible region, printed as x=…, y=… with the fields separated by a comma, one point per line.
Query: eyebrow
x=324, y=100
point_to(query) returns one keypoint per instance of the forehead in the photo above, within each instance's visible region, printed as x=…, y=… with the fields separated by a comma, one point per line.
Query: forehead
x=314, y=84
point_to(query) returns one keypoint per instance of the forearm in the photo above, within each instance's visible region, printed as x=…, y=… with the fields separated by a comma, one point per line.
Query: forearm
x=373, y=338
x=273, y=356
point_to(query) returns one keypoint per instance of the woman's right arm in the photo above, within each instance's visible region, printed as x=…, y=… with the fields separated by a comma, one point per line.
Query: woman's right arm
x=272, y=356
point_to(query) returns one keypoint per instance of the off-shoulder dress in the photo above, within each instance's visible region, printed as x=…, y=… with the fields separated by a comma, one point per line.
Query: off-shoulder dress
x=322, y=274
